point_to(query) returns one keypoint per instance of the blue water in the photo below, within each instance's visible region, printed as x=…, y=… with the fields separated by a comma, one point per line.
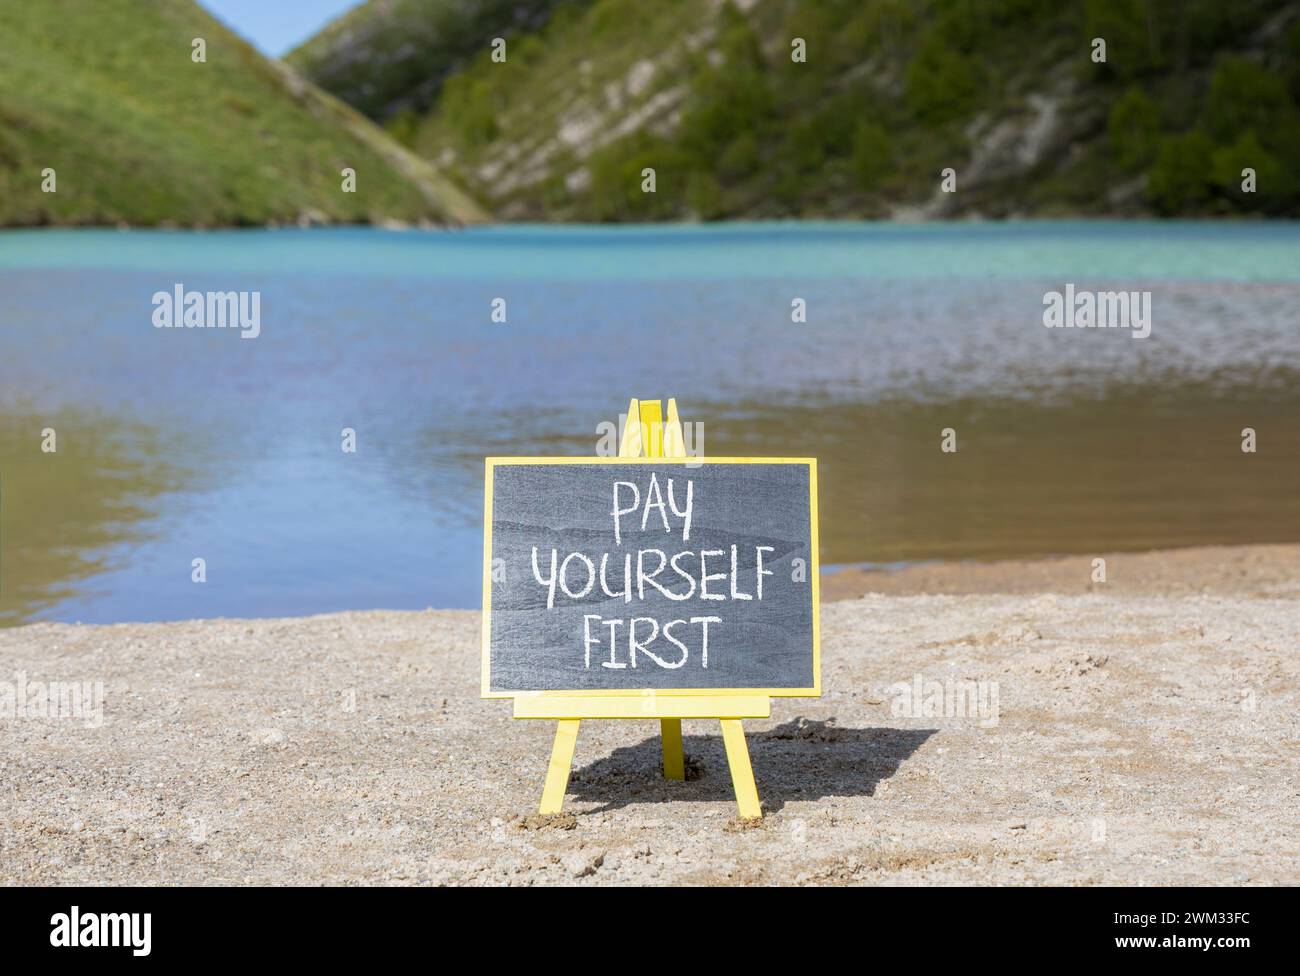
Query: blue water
x=177, y=444
x=1202, y=250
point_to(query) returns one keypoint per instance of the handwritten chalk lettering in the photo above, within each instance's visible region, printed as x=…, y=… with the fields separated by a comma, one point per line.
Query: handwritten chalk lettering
x=654, y=499
x=645, y=569
x=575, y=576
x=638, y=634
x=639, y=575
x=564, y=576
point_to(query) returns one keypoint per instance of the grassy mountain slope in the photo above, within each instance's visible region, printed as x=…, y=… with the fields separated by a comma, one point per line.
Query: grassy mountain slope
x=387, y=57
x=106, y=95
x=892, y=92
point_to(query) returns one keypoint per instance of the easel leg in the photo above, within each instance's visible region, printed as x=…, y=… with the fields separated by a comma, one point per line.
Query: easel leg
x=742, y=774
x=557, y=775
x=670, y=730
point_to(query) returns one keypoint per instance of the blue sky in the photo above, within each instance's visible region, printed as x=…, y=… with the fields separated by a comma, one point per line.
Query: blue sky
x=276, y=26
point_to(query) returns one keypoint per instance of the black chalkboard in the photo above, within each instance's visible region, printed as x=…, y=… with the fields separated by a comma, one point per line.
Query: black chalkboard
x=595, y=575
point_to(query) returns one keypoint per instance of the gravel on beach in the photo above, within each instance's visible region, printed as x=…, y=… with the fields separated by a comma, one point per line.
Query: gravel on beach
x=1103, y=734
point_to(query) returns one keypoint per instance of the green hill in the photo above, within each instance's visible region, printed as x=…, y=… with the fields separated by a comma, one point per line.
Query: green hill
x=892, y=92
x=107, y=96
x=386, y=57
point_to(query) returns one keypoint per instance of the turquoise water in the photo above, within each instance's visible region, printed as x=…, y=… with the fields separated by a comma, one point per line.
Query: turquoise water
x=1212, y=251
x=176, y=444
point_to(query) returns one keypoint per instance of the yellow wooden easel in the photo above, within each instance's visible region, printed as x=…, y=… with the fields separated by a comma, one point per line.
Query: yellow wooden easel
x=651, y=437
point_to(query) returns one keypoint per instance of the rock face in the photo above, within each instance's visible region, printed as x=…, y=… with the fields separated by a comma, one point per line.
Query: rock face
x=387, y=56
x=765, y=108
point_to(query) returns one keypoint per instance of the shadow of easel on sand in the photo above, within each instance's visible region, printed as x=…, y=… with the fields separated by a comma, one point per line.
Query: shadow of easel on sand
x=800, y=760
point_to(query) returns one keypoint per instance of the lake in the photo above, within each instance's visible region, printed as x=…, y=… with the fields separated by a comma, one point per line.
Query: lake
x=178, y=444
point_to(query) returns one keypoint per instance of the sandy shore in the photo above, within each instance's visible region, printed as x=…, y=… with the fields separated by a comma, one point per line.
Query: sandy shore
x=1143, y=731
x=1255, y=571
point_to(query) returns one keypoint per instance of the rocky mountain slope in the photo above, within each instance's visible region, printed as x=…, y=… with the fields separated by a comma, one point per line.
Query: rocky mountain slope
x=847, y=108
x=387, y=57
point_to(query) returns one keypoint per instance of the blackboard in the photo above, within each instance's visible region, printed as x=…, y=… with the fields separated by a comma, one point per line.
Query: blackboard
x=595, y=575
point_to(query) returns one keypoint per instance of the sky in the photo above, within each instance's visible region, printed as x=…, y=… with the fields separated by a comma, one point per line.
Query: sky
x=276, y=27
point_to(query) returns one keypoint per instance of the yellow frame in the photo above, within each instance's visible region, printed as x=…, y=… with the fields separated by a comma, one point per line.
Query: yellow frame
x=646, y=697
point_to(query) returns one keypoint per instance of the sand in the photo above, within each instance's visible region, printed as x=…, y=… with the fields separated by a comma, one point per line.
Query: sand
x=1142, y=731
x=1257, y=571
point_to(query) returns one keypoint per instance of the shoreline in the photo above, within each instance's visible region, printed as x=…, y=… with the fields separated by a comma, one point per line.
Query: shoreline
x=1254, y=570
x=1135, y=734
x=310, y=222
x=1267, y=570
